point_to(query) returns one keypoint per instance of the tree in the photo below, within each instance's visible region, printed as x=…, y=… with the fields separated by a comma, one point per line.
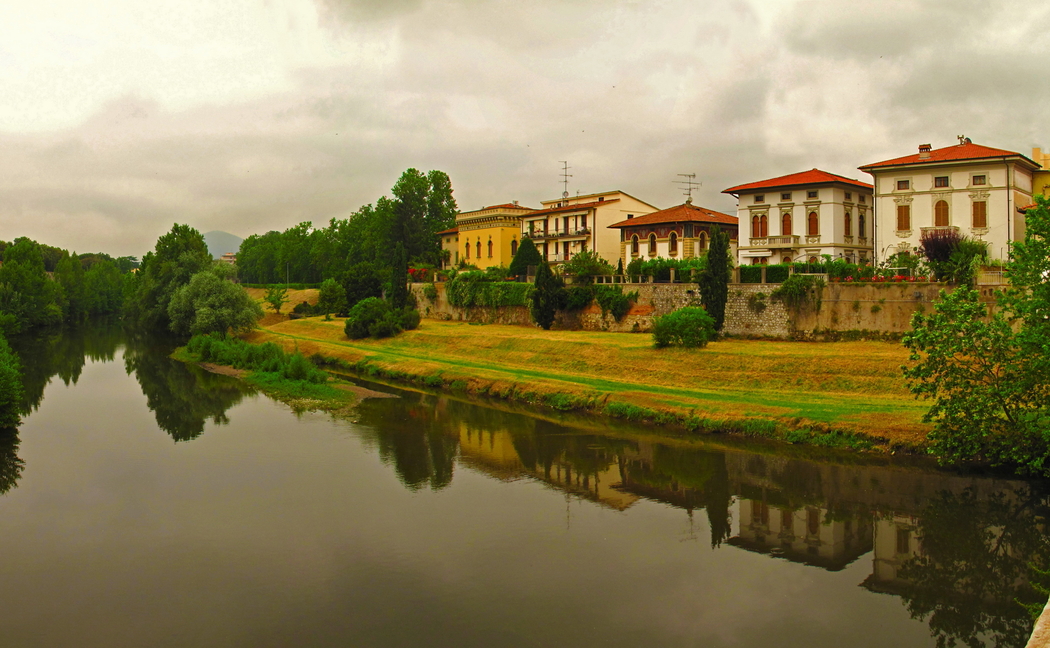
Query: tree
x=688, y=327
x=361, y=281
x=27, y=297
x=69, y=273
x=399, y=279
x=988, y=375
x=714, y=280
x=179, y=254
x=547, y=297
x=527, y=255
x=211, y=304
x=10, y=387
x=332, y=298
x=586, y=265
x=276, y=296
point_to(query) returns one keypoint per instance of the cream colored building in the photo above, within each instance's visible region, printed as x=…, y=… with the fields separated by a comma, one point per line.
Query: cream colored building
x=808, y=534
x=803, y=216
x=568, y=226
x=679, y=232
x=973, y=189
x=486, y=237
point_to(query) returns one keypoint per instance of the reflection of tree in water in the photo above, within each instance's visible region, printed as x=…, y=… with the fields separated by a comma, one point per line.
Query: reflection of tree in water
x=181, y=396
x=62, y=352
x=10, y=464
x=416, y=436
x=974, y=565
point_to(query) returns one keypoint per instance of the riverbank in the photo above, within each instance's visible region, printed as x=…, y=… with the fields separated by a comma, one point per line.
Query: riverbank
x=835, y=394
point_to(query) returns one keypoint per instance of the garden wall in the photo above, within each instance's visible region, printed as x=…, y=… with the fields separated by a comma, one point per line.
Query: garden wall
x=845, y=310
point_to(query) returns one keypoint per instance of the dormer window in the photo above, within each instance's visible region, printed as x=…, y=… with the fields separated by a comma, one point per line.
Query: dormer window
x=760, y=198
x=601, y=198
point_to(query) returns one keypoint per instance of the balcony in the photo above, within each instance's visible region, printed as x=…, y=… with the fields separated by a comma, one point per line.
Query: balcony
x=942, y=228
x=778, y=242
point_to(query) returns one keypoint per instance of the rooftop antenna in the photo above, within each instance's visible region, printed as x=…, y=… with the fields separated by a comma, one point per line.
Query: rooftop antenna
x=690, y=184
x=565, y=175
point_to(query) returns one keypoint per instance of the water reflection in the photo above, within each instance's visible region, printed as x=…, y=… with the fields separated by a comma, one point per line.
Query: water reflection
x=956, y=549
x=182, y=397
x=10, y=464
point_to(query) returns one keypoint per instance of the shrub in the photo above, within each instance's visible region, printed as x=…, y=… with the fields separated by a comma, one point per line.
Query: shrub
x=799, y=291
x=689, y=327
x=578, y=297
x=586, y=265
x=363, y=315
x=473, y=288
x=527, y=255
x=303, y=308
x=361, y=281
x=613, y=300
x=430, y=292
x=409, y=319
x=547, y=297
x=332, y=298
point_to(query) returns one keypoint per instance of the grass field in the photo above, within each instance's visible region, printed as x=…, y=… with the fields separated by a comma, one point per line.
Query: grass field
x=845, y=386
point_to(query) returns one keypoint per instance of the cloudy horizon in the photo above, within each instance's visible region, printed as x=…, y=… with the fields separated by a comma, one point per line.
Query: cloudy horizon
x=250, y=115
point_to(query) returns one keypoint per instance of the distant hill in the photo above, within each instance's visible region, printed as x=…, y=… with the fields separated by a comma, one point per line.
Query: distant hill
x=219, y=243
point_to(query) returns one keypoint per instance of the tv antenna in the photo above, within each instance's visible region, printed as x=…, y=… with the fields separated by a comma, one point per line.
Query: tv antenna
x=565, y=175
x=690, y=184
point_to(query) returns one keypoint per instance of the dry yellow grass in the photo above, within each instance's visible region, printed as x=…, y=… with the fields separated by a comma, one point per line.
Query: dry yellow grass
x=849, y=385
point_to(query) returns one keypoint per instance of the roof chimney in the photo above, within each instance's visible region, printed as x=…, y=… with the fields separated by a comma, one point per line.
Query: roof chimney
x=515, y=203
x=924, y=151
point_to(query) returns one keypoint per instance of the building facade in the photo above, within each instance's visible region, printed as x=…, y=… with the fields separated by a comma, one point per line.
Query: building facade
x=486, y=237
x=680, y=232
x=568, y=226
x=972, y=189
x=803, y=216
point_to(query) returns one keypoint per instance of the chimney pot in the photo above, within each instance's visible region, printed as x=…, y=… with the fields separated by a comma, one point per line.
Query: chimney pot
x=924, y=150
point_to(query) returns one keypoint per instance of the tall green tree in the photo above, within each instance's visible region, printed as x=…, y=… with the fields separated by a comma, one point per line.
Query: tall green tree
x=988, y=374
x=331, y=298
x=714, y=280
x=547, y=297
x=212, y=304
x=398, y=296
x=69, y=273
x=179, y=254
x=527, y=255
x=28, y=298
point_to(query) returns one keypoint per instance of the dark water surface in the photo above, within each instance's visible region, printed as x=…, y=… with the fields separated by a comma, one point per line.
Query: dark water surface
x=151, y=504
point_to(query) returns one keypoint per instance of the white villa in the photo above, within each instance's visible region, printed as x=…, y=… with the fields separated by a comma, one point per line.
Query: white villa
x=973, y=189
x=568, y=226
x=801, y=216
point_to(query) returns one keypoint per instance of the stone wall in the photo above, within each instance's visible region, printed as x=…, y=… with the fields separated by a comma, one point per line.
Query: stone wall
x=845, y=309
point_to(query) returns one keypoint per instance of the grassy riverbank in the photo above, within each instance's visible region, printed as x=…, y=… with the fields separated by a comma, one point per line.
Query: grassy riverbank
x=837, y=394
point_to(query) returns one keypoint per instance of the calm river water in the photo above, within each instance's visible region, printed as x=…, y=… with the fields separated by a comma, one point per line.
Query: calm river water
x=148, y=503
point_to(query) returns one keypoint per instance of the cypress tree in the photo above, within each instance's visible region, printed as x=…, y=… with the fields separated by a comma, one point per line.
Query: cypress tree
x=527, y=255
x=619, y=267
x=714, y=281
x=398, y=297
x=546, y=298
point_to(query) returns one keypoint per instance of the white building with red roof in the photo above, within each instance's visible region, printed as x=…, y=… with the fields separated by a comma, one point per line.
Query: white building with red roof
x=802, y=216
x=567, y=226
x=973, y=189
x=679, y=232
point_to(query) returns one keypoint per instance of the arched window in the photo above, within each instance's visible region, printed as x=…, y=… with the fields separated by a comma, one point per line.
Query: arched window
x=513, y=247
x=652, y=245
x=490, y=248
x=785, y=224
x=812, y=259
x=634, y=245
x=756, y=227
x=764, y=222
x=479, y=248
x=467, y=254
x=813, y=224
x=672, y=244
x=860, y=225
x=701, y=241
x=786, y=259
x=940, y=214
x=847, y=224
x=903, y=218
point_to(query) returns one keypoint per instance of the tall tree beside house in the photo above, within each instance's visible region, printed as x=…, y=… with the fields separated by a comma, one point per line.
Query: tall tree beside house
x=398, y=296
x=547, y=297
x=441, y=208
x=179, y=254
x=714, y=280
x=423, y=206
x=527, y=255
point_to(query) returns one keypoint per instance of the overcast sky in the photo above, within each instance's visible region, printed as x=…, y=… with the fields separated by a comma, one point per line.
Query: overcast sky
x=119, y=118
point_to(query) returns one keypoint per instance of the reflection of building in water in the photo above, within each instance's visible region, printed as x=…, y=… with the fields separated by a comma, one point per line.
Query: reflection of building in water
x=807, y=535
x=495, y=454
x=896, y=542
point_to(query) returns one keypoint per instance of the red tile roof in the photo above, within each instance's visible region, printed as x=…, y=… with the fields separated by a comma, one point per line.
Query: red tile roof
x=957, y=152
x=507, y=206
x=684, y=213
x=454, y=230
x=814, y=176
x=586, y=205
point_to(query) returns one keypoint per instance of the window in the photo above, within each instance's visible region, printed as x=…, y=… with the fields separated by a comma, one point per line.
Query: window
x=811, y=194
x=513, y=247
x=785, y=196
x=466, y=254
x=940, y=181
x=652, y=245
x=847, y=224
x=787, y=521
x=980, y=180
x=813, y=521
x=940, y=214
x=759, y=226
x=903, y=218
x=813, y=224
x=601, y=198
x=980, y=214
x=903, y=185
x=672, y=244
x=634, y=245
x=760, y=198
x=903, y=541
x=583, y=221
x=863, y=198
x=849, y=195
x=785, y=224
x=860, y=225
x=490, y=249
x=479, y=248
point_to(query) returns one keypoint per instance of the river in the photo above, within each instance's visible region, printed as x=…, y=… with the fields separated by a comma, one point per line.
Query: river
x=149, y=503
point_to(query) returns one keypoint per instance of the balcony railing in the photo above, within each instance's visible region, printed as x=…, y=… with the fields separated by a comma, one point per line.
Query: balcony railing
x=775, y=242
x=939, y=228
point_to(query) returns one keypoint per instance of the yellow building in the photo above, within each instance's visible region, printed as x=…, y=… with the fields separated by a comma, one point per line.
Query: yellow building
x=486, y=237
x=1041, y=178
